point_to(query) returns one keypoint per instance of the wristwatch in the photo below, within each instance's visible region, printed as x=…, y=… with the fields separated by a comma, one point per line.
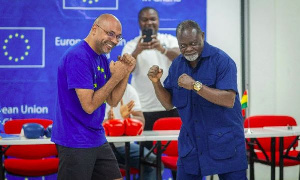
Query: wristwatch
x=197, y=86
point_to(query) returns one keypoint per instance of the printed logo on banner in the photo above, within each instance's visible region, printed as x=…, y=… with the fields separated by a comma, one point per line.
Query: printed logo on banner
x=91, y=4
x=22, y=47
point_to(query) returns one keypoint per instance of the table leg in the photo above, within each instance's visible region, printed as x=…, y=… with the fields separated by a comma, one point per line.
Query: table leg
x=273, y=146
x=1, y=162
x=127, y=159
x=141, y=164
x=251, y=161
x=281, y=158
x=158, y=161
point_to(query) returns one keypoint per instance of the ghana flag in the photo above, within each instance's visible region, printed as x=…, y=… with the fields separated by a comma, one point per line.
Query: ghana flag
x=244, y=100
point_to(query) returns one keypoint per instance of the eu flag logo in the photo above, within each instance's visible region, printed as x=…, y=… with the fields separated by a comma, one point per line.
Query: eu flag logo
x=22, y=47
x=91, y=4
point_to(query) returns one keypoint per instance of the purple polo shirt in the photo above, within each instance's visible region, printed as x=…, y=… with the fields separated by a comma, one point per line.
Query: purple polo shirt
x=81, y=68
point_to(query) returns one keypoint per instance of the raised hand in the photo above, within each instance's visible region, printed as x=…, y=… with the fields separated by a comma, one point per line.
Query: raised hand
x=142, y=45
x=128, y=60
x=126, y=110
x=118, y=69
x=155, y=73
x=186, y=81
x=155, y=44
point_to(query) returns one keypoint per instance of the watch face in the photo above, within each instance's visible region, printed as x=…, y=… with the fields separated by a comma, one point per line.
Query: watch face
x=197, y=86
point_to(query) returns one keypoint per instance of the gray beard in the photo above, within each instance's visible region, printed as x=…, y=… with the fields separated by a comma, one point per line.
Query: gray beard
x=192, y=57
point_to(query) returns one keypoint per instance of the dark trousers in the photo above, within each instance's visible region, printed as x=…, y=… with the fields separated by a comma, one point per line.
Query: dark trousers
x=87, y=163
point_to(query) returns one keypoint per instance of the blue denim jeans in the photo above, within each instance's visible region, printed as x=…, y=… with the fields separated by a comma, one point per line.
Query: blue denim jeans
x=149, y=172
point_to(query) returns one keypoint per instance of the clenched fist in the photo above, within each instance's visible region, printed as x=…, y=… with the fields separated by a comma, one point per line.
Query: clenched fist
x=186, y=81
x=118, y=69
x=128, y=60
x=155, y=73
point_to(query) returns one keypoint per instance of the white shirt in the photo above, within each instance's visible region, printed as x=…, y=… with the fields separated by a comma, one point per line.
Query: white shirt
x=145, y=60
x=129, y=94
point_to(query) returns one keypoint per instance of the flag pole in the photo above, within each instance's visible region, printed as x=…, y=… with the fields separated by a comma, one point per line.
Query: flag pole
x=249, y=131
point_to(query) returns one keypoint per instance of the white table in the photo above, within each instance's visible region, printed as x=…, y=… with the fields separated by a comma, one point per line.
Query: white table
x=268, y=132
x=146, y=136
x=159, y=136
x=272, y=132
x=164, y=135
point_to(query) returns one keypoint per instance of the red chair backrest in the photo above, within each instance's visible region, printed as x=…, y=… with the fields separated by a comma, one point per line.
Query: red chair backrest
x=28, y=151
x=169, y=123
x=15, y=126
x=271, y=120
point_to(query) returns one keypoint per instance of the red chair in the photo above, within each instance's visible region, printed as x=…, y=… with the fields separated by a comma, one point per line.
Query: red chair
x=262, y=146
x=29, y=160
x=171, y=151
x=133, y=172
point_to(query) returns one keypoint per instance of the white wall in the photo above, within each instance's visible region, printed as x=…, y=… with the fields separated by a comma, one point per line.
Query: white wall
x=288, y=57
x=274, y=67
x=223, y=29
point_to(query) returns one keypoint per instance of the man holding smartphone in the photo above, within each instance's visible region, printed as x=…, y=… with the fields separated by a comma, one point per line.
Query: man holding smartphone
x=151, y=48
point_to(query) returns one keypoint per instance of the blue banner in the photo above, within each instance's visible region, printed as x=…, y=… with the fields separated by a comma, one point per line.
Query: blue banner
x=35, y=33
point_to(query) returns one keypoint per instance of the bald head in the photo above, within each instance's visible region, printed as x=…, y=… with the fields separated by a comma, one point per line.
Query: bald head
x=105, y=33
x=107, y=19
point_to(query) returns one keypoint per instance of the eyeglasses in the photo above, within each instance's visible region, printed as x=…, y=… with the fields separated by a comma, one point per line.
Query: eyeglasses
x=111, y=34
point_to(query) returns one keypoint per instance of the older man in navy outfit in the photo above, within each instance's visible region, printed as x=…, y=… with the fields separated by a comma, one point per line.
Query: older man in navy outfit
x=202, y=84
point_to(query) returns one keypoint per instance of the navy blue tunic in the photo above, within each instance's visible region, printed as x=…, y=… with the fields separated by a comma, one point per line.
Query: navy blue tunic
x=211, y=139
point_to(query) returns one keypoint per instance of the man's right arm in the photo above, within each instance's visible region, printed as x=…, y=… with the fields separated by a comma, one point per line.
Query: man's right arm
x=90, y=100
x=162, y=94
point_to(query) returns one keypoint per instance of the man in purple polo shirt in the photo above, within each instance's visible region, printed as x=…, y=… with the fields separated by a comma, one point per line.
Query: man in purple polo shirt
x=86, y=82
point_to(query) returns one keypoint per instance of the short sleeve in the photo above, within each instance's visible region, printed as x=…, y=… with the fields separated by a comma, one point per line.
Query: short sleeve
x=168, y=83
x=79, y=75
x=226, y=74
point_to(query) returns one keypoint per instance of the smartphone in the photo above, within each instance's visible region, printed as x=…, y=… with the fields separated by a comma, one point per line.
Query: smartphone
x=148, y=33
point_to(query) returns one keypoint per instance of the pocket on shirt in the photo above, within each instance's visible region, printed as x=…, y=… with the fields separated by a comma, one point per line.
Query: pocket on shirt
x=179, y=98
x=188, y=155
x=221, y=143
x=190, y=162
x=184, y=143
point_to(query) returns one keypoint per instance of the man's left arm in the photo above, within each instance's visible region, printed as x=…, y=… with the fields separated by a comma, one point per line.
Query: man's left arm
x=224, y=98
x=117, y=93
